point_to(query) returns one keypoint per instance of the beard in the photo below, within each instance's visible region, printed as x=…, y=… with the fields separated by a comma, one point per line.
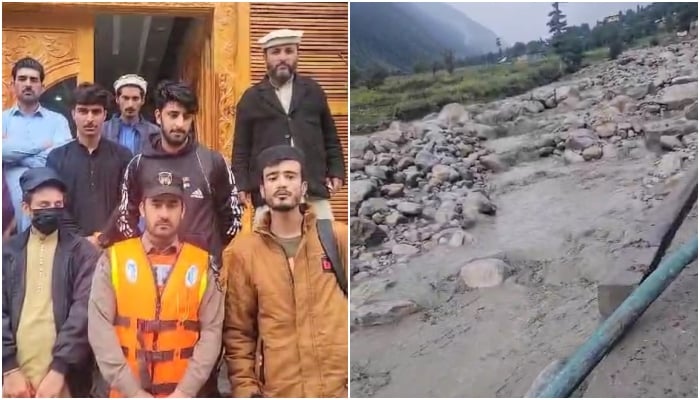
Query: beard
x=172, y=140
x=290, y=203
x=281, y=76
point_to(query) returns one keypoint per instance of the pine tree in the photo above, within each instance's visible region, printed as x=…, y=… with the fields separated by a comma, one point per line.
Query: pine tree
x=557, y=20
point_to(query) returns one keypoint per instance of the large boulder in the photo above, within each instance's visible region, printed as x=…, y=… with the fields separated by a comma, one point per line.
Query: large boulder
x=409, y=209
x=444, y=173
x=484, y=273
x=691, y=111
x=580, y=139
x=452, y=114
x=360, y=190
x=365, y=232
x=426, y=160
x=382, y=312
x=676, y=97
x=638, y=92
x=359, y=145
x=372, y=206
x=494, y=163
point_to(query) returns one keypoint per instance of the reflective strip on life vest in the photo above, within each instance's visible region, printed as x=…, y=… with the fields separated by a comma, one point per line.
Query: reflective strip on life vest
x=152, y=326
x=161, y=356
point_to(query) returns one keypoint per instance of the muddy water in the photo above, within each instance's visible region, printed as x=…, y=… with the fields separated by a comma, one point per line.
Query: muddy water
x=561, y=228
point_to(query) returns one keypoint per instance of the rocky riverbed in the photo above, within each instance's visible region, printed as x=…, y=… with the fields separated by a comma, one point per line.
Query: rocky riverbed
x=479, y=234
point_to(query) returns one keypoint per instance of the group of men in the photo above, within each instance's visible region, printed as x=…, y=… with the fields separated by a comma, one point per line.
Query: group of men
x=124, y=270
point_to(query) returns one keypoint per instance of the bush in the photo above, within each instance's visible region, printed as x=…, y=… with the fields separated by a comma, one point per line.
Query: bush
x=654, y=41
x=615, y=49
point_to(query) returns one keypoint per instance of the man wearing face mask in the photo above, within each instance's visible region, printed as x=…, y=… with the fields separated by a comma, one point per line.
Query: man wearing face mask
x=286, y=108
x=129, y=128
x=46, y=274
x=29, y=131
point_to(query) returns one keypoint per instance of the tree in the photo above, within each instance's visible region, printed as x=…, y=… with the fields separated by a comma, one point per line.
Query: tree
x=518, y=49
x=376, y=76
x=354, y=77
x=615, y=49
x=557, y=20
x=570, y=49
x=500, y=49
x=449, y=59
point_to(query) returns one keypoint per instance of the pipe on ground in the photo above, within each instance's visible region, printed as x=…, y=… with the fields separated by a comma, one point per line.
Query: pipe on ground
x=582, y=362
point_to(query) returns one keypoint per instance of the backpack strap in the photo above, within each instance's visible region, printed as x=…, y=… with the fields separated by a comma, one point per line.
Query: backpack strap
x=330, y=247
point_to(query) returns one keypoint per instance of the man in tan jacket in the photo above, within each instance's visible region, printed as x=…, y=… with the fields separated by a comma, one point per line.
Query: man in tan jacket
x=284, y=303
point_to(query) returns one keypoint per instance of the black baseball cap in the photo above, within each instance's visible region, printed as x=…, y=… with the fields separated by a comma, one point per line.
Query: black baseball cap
x=163, y=182
x=34, y=178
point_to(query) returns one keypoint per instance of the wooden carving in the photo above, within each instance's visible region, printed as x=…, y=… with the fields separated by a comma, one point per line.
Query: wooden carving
x=55, y=50
x=226, y=33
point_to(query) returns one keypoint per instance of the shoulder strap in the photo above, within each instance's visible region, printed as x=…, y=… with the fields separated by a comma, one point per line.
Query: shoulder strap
x=330, y=247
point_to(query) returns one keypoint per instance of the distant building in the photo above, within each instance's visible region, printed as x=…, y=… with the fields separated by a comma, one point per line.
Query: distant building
x=612, y=18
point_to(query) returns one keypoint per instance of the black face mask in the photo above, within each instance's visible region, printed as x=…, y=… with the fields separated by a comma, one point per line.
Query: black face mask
x=46, y=220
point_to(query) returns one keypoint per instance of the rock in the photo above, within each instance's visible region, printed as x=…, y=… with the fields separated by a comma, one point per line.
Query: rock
x=404, y=250
x=679, y=80
x=394, y=219
x=678, y=96
x=384, y=159
x=412, y=176
x=571, y=157
x=484, y=273
x=622, y=104
x=532, y=106
x=460, y=238
x=494, y=163
x=638, y=92
x=573, y=121
x=671, y=126
x=369, y=156
x=669, y=164
x=606, y=129
x=691, y=111
x=393, y=190
x=670, y=143
x=409, y=209
x=443, y=173
x=690, y=139
x=361, y=189
x=545, y=151
x=592, y=153
x=610, y=151
x=453, y=113
x=482, y=131
x=372, y=206
x=445, y=213
x=405, y=163
x=356, y=164
x=477, y=201
x=376, y=172
x=382, y=312
x=426, y=160
x=365, y=232
x=359, y=145
x=580, y=139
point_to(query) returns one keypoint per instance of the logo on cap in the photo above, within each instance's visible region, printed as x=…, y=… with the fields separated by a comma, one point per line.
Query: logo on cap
x=165, y=178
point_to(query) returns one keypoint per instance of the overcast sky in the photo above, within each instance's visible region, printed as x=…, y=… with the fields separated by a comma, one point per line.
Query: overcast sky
x=522, y=22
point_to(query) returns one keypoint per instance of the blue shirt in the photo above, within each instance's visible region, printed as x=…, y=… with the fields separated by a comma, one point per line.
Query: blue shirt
x=26, y=142
x=129, y=137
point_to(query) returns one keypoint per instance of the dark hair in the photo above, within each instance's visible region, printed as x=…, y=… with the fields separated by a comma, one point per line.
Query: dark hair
x=89, y=94
x=179, y=92
x=119, y=92
x=28, y=62
x=275, y=155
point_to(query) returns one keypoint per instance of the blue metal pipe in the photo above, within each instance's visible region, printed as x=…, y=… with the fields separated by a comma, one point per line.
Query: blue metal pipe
x=580, y=364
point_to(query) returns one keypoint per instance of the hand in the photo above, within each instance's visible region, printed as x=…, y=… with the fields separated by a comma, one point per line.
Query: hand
x=16, y=385
x=51, y=385
x=178, y=395
x=94, y=239
x=244, y=198
x=334, y=184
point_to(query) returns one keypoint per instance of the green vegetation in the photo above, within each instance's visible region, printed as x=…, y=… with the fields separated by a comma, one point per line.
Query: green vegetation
x=377, y=98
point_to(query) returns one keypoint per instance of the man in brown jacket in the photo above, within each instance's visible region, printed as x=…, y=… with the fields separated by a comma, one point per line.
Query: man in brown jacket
x=283, y=302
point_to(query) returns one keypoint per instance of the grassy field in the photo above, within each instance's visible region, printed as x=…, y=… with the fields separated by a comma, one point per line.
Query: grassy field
x=414, y=96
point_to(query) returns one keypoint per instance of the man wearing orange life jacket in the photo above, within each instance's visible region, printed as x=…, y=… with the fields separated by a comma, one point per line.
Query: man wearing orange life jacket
x=156, y=307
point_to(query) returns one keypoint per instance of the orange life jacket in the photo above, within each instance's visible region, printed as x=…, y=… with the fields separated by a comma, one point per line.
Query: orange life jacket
x=157, y=331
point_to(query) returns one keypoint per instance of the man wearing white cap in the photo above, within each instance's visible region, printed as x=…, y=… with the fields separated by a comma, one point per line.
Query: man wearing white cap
x=129, y=128
x=286, y=108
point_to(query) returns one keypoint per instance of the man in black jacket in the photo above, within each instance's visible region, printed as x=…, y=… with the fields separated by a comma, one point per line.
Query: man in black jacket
x=290, y=109
x=212, y=215
x=46, y=278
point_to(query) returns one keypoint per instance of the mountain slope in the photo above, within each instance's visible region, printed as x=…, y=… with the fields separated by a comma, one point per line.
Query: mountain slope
x=398, y=35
